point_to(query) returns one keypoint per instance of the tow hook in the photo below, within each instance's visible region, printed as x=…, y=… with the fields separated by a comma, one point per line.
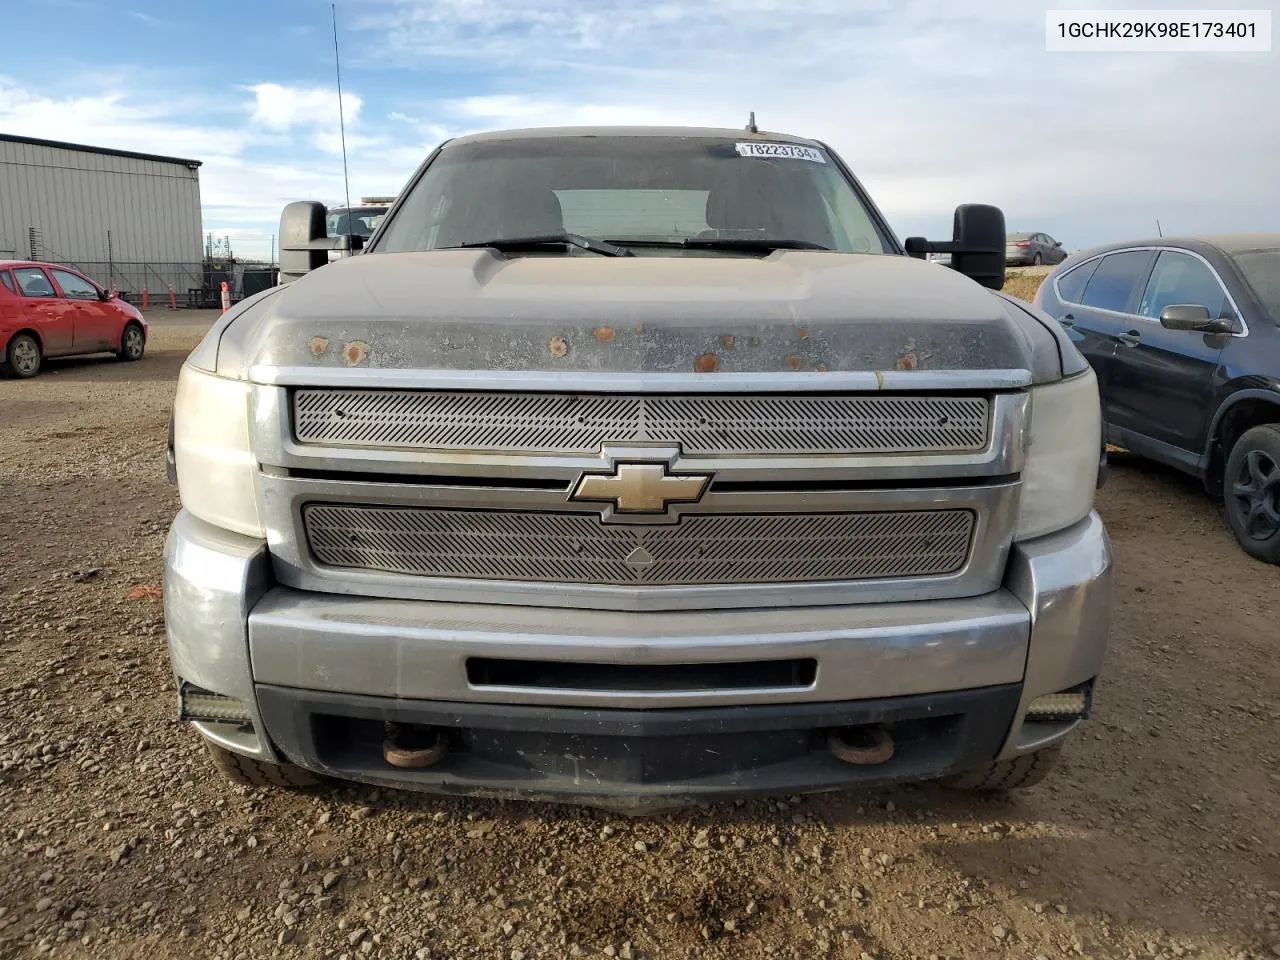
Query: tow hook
x=413, y=747
x=864, y=746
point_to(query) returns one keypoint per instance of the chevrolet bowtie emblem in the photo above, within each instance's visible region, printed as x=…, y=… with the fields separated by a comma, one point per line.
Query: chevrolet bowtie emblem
x=641, y=488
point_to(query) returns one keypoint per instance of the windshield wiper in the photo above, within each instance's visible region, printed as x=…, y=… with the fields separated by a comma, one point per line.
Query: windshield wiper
x=602, y=247
x=750, y=243
x=727, y=243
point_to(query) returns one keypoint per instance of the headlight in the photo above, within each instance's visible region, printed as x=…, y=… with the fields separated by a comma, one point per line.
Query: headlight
x=1061, y=470
x=216, y=468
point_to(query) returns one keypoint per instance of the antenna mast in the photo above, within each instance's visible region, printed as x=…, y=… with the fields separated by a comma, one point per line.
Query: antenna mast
x=342, y=128
x=1158, y=230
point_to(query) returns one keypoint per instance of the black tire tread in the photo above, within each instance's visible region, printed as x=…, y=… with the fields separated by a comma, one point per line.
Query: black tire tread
x=7, y=368
x=1024, y=771
x=120, y=354
x=1267, y=436
x=257, y=773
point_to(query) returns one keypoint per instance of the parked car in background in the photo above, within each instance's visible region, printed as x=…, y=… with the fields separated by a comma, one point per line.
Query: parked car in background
x=48, y=310
x=1032, y=249
x=1182, y=333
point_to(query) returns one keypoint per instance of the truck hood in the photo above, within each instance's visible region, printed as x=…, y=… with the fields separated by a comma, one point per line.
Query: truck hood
x=793, y=311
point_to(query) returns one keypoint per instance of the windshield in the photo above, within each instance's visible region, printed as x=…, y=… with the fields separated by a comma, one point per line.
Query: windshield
x=358, y=220
x=649, y=191
x=1261, y=269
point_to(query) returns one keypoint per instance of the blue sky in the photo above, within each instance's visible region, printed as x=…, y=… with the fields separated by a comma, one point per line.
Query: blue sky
x=932, y=104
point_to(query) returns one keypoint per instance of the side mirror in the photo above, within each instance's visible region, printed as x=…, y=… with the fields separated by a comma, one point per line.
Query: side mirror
x=1057, y=243
x=104, y=295
x=976, y=247
x=1193, y=316
x=304, y=245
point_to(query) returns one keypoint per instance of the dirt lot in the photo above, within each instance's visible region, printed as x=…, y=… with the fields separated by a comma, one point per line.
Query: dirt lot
x=1159, y=838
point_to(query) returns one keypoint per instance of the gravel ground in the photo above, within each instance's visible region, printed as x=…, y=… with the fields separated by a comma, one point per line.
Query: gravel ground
x=1158, y=838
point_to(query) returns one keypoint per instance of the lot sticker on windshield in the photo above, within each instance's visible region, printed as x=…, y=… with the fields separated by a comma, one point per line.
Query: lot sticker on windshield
x=791, y=151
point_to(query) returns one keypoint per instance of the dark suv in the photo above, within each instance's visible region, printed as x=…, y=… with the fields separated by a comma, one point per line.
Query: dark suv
x=1182, y=334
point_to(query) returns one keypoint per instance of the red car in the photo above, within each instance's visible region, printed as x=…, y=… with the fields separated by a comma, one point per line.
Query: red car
x=47, y=310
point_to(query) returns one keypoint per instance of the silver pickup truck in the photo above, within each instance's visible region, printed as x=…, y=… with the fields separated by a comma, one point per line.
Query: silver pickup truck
x=636, y=467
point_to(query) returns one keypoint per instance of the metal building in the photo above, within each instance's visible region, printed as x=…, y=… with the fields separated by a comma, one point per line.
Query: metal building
x=126, y=219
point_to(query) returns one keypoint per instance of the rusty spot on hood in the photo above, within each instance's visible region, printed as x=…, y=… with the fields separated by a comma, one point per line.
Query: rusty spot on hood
x=795, y=362
x=707, y=363
x=318, y=345
x=728, y=340
x=638, y=328
x=907, y=359
x=605, y=334
x=802, y=333
x=558, y=347
x=355, y=352
x=821, y=368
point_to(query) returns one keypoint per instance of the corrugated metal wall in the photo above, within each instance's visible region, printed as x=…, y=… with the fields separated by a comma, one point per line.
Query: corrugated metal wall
x=73, y=197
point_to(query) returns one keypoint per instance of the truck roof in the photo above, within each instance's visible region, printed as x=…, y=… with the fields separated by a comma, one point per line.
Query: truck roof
x=718, y=133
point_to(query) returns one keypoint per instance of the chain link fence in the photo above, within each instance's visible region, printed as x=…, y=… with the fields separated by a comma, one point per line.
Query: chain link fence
x=184, y=285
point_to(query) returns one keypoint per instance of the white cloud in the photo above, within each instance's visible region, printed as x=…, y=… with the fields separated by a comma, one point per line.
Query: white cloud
x=280, y=107
x=522, y=110
x=113, y=118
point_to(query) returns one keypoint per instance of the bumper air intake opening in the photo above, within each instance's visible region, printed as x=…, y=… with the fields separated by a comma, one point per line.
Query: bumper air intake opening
x=206, y=706
x=1049, y=717
x=648, y=678
x=1065, y=706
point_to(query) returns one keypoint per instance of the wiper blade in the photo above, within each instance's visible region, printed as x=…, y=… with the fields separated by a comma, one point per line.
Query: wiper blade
x=601, y=247
x=750, y=243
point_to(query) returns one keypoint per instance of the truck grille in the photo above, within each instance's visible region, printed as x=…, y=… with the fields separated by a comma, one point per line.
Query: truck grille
x=579, y=424
x=578, y=548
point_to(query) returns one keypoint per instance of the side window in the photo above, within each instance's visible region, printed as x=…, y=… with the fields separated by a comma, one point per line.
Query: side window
x=33, y=282
x=1182, y=278
x=1072, y=283
x=1115, y=283
x=76, y=288
x=7, y=281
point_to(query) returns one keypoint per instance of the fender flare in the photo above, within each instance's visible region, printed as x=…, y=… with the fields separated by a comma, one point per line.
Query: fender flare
x=1251, y=393
x=35, y=335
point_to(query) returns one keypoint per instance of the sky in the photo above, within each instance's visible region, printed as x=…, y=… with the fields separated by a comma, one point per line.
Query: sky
x=932, y=104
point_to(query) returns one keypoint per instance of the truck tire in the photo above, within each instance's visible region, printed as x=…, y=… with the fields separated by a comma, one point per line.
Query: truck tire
x=1251, y=491
x=1024, y=771
x=258, y=773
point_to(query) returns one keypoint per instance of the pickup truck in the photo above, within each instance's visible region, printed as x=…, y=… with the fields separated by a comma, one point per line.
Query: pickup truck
x=636, y=467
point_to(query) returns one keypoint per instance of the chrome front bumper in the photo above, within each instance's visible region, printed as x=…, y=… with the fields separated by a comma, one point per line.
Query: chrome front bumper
x=233, y=630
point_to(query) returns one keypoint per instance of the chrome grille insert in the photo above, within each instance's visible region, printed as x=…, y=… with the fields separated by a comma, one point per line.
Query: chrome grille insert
x=578, y=548
x=579, y=424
